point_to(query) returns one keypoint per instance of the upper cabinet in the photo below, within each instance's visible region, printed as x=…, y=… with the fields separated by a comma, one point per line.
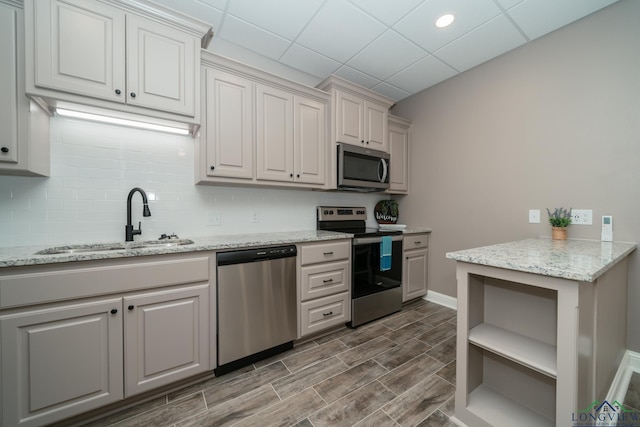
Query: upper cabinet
x=259, y=129
x=24, y=126
x=291, y=137
x=134, y=56
x=399, y=134
x=360, y=116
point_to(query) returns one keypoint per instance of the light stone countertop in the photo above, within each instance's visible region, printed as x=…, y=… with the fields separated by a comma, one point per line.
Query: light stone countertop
x=25, y=255
x=582, y=260
x=416, y=230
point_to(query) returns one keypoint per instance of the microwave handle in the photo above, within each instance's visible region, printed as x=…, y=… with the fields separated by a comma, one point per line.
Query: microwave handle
x=385, y=170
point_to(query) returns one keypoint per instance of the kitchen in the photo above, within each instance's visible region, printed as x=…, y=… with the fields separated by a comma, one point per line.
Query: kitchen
x=583, y=111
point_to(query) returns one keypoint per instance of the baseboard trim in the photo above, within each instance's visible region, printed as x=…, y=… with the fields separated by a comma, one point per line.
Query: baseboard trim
x=629, y=364
x=442, y=299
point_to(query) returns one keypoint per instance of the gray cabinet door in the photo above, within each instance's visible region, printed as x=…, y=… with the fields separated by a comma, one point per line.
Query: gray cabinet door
x=415, y=274
x=89, y=65
x=61, y=361
x=166, y=337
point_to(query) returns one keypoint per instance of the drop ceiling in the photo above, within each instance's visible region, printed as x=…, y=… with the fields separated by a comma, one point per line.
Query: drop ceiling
x=389, y=46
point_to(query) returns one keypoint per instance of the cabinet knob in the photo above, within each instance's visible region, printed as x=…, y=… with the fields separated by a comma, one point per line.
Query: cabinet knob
x=362, y=141
x=4, y=149
x=212, y=167
x=114, y=310
x=367, y=142
x=131, y=307
x=290, y=175
x=298, y=176
x=133, y=94
x=118, y=92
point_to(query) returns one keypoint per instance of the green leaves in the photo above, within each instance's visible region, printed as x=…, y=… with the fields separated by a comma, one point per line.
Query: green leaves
x=560, y=217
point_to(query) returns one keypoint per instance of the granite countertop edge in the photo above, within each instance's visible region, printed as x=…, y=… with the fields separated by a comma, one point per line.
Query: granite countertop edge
x=25, y=255
x=416, y=230
x=580, y=260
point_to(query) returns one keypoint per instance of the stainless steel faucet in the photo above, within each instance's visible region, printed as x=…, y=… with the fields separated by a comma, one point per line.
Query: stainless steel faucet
x=129, y=231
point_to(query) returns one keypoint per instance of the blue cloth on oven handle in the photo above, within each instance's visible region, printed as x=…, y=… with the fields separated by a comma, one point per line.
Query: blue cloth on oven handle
x=385, y=253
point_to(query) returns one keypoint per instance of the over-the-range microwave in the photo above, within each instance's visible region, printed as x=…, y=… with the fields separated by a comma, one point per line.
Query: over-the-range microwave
x=362, y=169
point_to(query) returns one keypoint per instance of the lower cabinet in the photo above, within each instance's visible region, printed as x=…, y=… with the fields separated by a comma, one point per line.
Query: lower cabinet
x=324, y=285
x=65, y=359
x=165, y=337
x=415, y=266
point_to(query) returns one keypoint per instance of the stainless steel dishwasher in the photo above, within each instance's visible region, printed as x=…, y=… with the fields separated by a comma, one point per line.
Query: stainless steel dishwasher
x=256, y=305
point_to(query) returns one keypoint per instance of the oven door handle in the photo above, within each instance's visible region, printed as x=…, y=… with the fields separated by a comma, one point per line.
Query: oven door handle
x=377, y=239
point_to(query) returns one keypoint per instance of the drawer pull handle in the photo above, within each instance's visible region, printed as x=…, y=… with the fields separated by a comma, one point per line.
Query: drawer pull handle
x=418, y=242
x=328, y=253
x=328, y=313
x=327, y=280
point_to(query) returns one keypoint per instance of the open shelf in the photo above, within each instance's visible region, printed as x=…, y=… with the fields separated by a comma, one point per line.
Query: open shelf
x=498, y=410
x=521, y=349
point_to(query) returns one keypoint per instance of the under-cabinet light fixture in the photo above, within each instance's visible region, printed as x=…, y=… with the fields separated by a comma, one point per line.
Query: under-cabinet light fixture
x=445, y=20
x=122, y=122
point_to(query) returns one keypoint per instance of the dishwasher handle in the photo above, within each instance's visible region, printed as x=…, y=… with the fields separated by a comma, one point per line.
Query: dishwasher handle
x=256, y=255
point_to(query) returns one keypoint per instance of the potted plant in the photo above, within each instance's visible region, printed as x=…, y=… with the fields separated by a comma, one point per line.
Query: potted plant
x=559, y=219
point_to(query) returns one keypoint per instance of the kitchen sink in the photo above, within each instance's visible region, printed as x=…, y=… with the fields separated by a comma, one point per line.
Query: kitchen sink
x=102, y=247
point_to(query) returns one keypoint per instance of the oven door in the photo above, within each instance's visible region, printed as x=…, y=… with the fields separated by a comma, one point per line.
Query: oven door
x=367, y=277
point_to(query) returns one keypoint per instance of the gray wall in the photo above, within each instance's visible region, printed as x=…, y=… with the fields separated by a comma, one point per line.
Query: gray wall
x=553, y=123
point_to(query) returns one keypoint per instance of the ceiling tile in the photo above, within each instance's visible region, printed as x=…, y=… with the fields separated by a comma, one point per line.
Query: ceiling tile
x=485, y=42
x=309, y=61
x=219, y=4
x=509, y=3
x=246, y=35
x=203, y=12
x=398, y=53
x=390, y=91
x=539, y=17
x=420, y=27
x=387, y=11
x=261, y=62
x=340, y=30
x=424, y=73
x=285, y=18
x=356, y=77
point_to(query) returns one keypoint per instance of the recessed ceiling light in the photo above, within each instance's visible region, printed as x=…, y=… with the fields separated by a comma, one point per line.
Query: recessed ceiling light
x=445, y=20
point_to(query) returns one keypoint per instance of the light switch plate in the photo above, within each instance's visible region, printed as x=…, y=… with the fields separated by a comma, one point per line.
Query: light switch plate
x=534, y=216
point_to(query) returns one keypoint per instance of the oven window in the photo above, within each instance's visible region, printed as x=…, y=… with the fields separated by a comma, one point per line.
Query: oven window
x=367, y=278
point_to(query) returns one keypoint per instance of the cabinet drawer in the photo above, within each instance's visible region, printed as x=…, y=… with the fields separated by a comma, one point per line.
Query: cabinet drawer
x=415, y=241
x=323, y=313
x=324, y=279
x=323, y=252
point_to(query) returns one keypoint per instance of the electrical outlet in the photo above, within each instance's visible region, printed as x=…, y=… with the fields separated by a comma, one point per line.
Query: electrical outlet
x=534, y=216
x=255, y=216
x=581, y=216
x=214, y=218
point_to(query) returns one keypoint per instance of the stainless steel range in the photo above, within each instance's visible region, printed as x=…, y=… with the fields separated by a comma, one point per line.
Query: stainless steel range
x=376, y=282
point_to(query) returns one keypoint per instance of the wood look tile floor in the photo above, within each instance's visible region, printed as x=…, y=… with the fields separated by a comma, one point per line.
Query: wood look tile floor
x=396, y=371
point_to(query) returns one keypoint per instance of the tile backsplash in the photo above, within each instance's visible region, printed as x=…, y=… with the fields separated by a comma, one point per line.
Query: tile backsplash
x=93, y=167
